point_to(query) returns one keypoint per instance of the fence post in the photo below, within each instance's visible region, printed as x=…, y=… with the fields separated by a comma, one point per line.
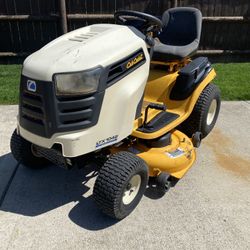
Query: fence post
x=174, y=3
x=63, y=16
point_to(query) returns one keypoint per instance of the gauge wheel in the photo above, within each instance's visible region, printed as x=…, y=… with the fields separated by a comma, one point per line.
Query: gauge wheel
x=120, y=184
x=205, y=112
x=23, y=151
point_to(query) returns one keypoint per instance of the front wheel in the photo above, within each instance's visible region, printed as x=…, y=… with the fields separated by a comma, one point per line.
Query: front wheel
x=23, y=152
x=204, y=114
x=120, y=184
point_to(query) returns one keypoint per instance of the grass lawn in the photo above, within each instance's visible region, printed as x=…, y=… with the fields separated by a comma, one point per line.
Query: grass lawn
x=232, y=78
x=9, y=83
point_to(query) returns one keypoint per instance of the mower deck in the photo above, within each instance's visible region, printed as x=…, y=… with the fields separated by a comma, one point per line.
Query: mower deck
x=175, y=158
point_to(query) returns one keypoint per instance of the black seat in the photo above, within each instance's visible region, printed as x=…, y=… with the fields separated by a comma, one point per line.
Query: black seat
x=180, y=35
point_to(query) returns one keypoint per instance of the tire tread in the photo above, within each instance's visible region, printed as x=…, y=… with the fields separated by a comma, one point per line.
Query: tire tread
x=114, y=173
x=195, y=121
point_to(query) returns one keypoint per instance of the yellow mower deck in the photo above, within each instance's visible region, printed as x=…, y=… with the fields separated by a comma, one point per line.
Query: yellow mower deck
x=174, y=159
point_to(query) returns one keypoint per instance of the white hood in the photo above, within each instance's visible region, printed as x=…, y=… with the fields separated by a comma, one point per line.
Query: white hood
x=81, y=49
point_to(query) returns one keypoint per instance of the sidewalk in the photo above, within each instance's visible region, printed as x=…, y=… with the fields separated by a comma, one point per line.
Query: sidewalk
x=208, y=209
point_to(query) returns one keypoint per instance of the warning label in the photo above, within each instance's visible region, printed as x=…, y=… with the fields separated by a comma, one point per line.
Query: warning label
x=175, y=154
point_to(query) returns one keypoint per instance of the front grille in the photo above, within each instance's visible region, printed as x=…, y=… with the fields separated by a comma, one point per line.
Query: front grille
x=32, y=107
x=76, y=111
x=44, y=114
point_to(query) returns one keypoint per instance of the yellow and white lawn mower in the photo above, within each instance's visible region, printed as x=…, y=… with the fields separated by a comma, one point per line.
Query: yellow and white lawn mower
x=126, y=95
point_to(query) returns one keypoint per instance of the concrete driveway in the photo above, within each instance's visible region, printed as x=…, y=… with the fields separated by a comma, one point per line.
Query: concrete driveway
x=208, y=209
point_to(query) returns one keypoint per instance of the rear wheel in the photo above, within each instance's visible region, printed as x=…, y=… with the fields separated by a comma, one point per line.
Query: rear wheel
x=121, y=184
x=204, y=114
x=24, y=153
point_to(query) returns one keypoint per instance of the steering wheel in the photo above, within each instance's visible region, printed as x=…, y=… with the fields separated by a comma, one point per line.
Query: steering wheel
x=142, y=21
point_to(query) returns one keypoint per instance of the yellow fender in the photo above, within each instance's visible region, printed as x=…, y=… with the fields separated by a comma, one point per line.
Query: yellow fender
x=157, y=91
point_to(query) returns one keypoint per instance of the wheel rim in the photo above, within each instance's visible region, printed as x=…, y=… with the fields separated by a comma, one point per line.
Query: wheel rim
x=211, y=112
x=132, y=189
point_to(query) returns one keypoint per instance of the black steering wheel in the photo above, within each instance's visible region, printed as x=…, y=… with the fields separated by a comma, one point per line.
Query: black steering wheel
x=144, y=22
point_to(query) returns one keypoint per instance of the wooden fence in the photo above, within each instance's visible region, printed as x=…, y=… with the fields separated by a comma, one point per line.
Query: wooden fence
x=27, y=25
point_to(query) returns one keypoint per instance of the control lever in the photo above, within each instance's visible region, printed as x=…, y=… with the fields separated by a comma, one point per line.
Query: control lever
x=150, y=43
x=157, y=106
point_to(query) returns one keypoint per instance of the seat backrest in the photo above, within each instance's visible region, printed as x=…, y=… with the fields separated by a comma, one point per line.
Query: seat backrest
x=182, y=26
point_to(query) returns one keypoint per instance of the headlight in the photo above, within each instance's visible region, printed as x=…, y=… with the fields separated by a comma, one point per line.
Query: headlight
x=77, y=83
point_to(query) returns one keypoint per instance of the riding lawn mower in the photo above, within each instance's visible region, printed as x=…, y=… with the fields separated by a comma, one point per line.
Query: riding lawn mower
x=126, y=96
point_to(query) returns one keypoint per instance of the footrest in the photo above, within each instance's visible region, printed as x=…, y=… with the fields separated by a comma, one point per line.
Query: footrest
x=159, y=121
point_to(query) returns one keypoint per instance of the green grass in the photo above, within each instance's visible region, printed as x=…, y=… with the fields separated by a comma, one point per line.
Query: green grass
x=9, y=83
x=232, y=78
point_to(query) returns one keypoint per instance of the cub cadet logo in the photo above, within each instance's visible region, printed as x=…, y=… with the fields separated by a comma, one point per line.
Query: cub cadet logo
x=106, y=141
x=31, y=85
x=134, y=61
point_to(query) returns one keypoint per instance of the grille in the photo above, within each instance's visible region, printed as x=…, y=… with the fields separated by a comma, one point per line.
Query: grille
x=44, y=114
x=32, y=112
x=76, y=111
x=32, y=107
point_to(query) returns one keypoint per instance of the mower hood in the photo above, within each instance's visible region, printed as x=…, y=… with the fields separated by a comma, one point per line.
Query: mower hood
x=81, y=49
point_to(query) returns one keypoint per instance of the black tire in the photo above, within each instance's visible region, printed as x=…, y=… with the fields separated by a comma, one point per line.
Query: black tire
x=22, y=152
x=197, y=121
x=163, y=183
x=113, y=180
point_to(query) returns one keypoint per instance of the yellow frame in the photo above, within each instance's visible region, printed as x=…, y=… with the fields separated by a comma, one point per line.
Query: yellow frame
x=158, y=89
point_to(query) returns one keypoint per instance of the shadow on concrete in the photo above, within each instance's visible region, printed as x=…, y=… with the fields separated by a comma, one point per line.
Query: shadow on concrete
x=9, y=167
x=85, y=214
x=35, y=192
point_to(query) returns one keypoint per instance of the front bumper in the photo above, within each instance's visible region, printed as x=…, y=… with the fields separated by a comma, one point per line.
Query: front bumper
x=73, y=144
